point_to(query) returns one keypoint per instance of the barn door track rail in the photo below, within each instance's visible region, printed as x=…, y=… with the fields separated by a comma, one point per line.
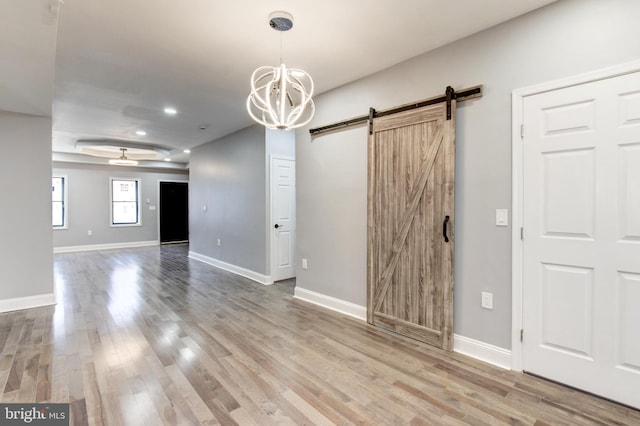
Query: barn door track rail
x=450, y=94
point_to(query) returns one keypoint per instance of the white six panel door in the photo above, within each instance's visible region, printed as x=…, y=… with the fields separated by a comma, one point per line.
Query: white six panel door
x=283, y=205
x=581, y=280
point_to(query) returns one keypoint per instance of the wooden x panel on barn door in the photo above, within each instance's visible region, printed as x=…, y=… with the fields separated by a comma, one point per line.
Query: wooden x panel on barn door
x=410, y=223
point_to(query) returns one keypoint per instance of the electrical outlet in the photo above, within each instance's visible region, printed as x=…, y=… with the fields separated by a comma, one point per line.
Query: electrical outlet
x=219, y=242
x=487, y=300
x=305, y=265
x=89, y=232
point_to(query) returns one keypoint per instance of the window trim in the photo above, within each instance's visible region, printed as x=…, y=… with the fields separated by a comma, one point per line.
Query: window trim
x=138, y=202
x=65, y=202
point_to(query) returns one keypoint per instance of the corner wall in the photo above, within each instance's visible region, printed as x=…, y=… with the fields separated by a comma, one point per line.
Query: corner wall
x=230, y=176
x=227, y=201
x=560, y=40
x=26, y=256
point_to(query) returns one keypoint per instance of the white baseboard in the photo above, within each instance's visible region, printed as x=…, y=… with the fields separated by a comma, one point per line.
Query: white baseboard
x=112, y=246
x=238, y=270
x=344, y=307
x=482, y=351
x=29, y=302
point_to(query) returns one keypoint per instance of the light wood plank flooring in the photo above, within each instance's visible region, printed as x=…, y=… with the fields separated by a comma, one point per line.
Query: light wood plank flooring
x=149, y=337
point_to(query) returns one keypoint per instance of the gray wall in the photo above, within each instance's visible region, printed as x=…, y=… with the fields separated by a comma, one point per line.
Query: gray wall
x=231, y=177
x=563, y=39
x=227, y=175
x=88, y=197
x=26, y=257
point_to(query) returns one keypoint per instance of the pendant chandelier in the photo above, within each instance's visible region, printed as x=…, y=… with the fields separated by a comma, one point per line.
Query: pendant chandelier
x=281, y=97
x=123, y=160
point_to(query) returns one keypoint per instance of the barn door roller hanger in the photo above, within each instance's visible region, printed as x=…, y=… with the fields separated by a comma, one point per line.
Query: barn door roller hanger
x=450, y=95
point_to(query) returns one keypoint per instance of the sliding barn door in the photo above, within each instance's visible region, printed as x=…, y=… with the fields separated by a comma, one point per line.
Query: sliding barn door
x=410, y=224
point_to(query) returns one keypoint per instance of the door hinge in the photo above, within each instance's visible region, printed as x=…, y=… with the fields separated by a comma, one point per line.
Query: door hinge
x=521, y=233
x=522, y=334
x=522, y=131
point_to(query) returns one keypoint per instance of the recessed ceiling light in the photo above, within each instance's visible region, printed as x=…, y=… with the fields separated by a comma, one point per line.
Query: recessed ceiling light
x=187, y=151
x=167, y=159
x=141, y=132
x=170, y=111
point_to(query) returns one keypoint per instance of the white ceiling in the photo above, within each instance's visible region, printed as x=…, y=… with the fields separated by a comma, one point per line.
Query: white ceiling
x=118, y=63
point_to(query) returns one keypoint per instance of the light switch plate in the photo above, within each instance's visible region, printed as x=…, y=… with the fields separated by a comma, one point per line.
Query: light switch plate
x=502, y=217
x=487, y=300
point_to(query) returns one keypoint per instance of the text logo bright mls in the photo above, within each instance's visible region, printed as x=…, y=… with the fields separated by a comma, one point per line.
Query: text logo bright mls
x=27, y=415
x=34, y=414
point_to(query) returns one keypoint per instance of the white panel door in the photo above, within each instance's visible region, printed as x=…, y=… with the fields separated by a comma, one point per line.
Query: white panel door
x=581, y=216
x=283, y=218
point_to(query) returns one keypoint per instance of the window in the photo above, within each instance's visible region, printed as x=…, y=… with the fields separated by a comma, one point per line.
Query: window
x=59, y=202
x=125, y=201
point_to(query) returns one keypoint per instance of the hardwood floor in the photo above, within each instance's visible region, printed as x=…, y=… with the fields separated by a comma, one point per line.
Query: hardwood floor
x=150, y=337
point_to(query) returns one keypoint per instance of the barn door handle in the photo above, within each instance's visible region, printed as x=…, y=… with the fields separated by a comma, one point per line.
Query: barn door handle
x=444, y=229
x=277, y=226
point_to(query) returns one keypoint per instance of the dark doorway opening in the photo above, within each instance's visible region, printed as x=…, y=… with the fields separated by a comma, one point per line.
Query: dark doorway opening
x=174, y=212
